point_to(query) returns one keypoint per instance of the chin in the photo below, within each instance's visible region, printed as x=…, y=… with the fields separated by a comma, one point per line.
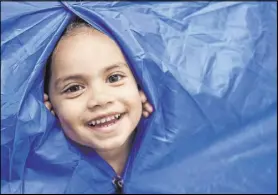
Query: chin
x=111, y=144
x=108, y=146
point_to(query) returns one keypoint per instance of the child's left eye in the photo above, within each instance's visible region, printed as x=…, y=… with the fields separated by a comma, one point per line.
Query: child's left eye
x=114, y=78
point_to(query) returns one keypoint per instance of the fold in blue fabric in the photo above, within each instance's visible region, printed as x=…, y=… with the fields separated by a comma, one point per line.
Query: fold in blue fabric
x=208, y=68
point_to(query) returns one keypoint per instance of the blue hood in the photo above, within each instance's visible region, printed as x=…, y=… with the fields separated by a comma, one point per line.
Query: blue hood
x=208, y=68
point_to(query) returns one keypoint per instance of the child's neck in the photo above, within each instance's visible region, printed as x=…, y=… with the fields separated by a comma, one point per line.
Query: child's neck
x=117, y=157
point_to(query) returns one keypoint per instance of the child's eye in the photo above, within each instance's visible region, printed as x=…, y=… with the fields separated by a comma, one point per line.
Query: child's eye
x=114, y=78
x=73, y=89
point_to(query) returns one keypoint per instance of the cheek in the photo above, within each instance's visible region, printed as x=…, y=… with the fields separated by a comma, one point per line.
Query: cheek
x=67, y=111
x=133, y=103
x=132, y=97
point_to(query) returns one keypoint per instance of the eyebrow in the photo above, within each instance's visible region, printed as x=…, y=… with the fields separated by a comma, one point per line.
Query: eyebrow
x=113, y=66
x=80, y=76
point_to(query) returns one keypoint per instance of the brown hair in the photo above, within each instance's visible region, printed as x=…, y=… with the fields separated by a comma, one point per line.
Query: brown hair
x=75, y=24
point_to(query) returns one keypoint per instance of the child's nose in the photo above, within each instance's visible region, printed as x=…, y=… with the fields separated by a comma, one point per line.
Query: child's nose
x=99, y=98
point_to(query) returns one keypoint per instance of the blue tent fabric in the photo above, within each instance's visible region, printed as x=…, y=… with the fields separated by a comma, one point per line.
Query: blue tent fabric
x=208, y=68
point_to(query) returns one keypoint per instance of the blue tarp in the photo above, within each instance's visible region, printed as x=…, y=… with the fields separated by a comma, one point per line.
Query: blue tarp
x=208, y=68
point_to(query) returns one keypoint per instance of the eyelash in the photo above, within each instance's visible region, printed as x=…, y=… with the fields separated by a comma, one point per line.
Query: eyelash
x=67, y=90
x=113, y=75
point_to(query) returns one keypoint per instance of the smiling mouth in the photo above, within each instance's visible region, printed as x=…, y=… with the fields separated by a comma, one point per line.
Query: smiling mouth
x=106, y=121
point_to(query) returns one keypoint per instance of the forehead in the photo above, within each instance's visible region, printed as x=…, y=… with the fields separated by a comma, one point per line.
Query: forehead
x=85, y=49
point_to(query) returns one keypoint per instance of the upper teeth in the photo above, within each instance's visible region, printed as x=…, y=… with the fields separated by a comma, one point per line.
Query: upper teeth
x=103, y=120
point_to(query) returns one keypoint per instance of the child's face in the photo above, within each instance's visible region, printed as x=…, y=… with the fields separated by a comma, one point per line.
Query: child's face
x=91, y=82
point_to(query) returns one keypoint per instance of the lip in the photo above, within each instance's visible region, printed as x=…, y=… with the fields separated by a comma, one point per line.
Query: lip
x=107, y=129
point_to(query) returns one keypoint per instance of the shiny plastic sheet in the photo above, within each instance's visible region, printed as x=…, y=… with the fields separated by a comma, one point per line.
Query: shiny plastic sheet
x=208, y=68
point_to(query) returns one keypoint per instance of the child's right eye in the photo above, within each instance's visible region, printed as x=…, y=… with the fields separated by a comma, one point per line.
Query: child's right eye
x=73, y=89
